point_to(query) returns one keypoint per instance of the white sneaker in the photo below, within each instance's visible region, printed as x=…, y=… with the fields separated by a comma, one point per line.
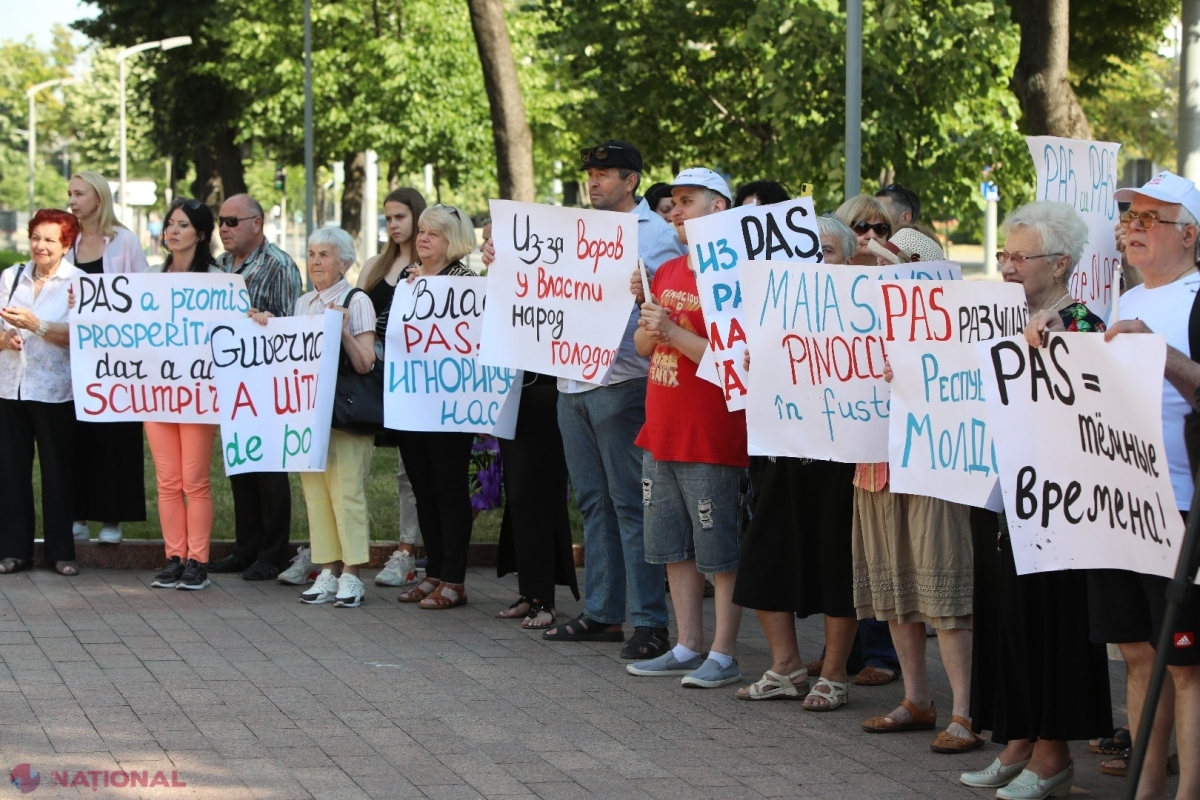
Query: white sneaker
x=400, y=569
x=323, y=590
x=80, y=531
x=110, y=534
x=350, y=591
x=301, y=571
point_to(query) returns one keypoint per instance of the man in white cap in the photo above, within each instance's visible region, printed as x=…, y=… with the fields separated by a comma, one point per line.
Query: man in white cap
x=695, y=457
x=1127, y=608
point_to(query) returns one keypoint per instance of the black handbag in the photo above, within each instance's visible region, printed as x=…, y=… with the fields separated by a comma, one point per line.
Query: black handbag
x=358, y=397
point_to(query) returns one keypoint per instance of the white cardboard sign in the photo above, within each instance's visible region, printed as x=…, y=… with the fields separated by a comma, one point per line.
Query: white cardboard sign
x=1083, y=174
x=816, y=338
x=558, y=299
x=139, y=344
x=276, y=385
x=940, y=443
x=433, y=380
x=1078, y=432
x=718, y=247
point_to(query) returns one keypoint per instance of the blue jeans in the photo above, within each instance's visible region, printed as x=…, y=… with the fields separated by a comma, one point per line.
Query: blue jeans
x=877, y=649
x=598, y=428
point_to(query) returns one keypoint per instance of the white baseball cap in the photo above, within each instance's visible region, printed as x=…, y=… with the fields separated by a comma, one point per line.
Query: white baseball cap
x=1167, y=187
x=706, y=179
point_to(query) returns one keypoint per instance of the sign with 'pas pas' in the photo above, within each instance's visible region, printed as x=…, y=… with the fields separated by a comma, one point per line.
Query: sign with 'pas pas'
x=1078, y=432
x=276, y=384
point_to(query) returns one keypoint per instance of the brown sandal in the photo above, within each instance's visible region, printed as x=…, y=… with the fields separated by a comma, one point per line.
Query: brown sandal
x=438, y=600
x=951, y=744
x=418, y=593
x=921, y=720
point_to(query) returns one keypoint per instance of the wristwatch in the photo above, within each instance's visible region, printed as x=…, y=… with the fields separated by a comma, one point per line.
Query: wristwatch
x=42, y=328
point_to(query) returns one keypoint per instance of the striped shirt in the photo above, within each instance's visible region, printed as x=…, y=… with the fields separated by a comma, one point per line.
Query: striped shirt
x=362, y=310
x=271, y=276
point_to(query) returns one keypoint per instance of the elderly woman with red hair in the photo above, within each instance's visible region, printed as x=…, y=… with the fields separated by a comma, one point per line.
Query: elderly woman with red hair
x=36, y=405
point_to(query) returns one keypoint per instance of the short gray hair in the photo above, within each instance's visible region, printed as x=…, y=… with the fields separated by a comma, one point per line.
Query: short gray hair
x=1185, y=218
x=255, y=206
x=341, y=242
x=832, y=226
x=1059, y=225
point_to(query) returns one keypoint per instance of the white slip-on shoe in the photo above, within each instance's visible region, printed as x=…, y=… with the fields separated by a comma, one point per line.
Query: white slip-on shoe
x=994, y=776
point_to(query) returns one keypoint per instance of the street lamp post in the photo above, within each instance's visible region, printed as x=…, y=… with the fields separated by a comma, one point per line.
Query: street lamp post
x=165, y=44
x=31, y=93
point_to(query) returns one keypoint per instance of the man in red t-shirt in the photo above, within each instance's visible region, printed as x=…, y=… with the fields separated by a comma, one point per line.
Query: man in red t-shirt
x=695, y=459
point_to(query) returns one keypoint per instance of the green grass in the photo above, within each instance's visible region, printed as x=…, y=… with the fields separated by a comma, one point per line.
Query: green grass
x=10, y=257
x=382, y=504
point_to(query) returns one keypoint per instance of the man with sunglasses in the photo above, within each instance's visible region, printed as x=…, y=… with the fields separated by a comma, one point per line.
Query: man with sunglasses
x=262, y=501
x=598, y=425
x=1160, y=230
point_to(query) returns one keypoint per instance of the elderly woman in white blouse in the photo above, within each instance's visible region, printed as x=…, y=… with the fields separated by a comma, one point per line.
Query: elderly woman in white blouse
x=36, y=405
x=337, y=497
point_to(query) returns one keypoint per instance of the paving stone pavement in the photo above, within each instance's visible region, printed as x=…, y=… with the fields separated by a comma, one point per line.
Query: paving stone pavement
x=239, y=691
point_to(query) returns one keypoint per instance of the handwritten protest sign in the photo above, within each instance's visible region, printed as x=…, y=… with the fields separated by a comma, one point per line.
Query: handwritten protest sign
x=940, y=443
x=1083, y=174
x=718, y=247
x=558, y=299
x=139, y=344
x=816, y=337
x=1078, y=432
x=276, y=384
x=433, y=380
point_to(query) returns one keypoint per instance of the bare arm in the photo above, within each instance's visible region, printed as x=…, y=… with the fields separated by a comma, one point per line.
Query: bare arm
x=359, y=349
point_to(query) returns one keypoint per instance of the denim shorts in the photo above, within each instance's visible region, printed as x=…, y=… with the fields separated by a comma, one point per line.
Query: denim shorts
x=692, y=511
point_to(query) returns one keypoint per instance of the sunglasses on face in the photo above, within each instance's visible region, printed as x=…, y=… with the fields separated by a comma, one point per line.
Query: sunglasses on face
x=1147, y=219
x=880, y=228
x=599, y=153
x=231, y=222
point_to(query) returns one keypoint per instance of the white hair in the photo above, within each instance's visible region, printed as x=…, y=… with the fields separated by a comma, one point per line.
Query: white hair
x=832, y=226
x=1185, y=218
x=341, y=242
x=1058, y=225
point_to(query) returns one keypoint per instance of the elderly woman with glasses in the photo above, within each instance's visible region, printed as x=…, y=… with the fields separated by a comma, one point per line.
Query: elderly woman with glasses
x=870, y=220
x=1037, y=680
x=437, y=462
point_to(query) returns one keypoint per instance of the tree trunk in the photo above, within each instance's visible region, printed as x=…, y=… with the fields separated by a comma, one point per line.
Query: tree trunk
x=393, y=175
x=1040, y=80
x=510, y=127
x=352, y=192
x=219, y=172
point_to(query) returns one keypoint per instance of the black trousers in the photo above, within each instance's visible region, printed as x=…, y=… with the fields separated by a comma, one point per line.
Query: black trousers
x=52, y=427
x=437, y=466
x=535, y=490
x=262, y=510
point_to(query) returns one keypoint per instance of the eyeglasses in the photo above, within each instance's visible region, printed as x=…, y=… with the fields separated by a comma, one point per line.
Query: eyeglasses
x=599, y=153
x=232, y=222
x=1147, y=219
x=881, y=228
x=1018, y=259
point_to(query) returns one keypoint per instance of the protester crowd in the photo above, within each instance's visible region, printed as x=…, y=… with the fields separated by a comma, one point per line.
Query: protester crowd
x=660, y=470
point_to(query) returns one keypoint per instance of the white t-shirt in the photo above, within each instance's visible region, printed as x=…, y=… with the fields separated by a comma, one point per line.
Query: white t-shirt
x=1166, y=310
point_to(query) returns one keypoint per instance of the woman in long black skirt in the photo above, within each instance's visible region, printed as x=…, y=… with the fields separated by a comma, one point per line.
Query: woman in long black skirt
x=535, y=535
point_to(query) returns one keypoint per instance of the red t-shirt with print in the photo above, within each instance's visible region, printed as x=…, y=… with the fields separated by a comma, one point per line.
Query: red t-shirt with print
x=686, y=418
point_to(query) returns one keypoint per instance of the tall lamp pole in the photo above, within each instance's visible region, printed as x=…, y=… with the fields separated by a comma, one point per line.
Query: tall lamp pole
x=854, y=56
x=31, y=93
x=308, y=135
x=165, y=44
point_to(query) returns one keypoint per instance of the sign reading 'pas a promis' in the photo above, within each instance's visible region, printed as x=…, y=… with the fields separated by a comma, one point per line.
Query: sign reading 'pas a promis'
x=1078, y=432
x=276, y=384
x=558, y=299
x=139, y=344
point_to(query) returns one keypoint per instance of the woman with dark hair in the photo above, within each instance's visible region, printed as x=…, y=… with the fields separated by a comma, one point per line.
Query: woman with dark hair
x=761, y=193
x=183, y=451
x=36, y=405
x=658, y=197
x=109, y=462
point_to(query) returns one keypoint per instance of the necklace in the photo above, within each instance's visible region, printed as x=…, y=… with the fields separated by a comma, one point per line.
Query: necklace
x=1065, y=296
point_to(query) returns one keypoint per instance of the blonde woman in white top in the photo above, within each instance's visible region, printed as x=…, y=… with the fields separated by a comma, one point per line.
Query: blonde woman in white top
x=109, y=460
x=36, y=405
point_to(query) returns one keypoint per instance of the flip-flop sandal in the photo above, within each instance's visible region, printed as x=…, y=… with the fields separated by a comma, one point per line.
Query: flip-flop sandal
x=777, y=686
x=921, y=720
x=951, y=744
x=68, y=568
x=582, y=629
x=518, y=609
x=11, y=565
x=540, y=617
